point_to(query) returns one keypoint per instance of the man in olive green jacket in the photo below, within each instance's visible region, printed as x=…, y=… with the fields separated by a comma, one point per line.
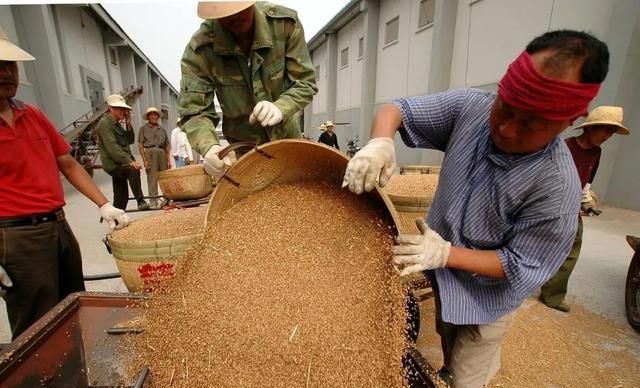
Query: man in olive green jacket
x=115, y=153
x=254, y=57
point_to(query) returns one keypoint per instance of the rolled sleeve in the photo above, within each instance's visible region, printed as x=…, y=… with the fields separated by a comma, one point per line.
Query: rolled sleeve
x=428, y=121
x=536, y=251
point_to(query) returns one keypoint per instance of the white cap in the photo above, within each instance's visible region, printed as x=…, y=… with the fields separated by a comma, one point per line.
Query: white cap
x=117, y=101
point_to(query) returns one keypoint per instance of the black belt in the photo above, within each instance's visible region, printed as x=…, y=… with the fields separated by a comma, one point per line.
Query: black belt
x=153, y=146
x=34, y=219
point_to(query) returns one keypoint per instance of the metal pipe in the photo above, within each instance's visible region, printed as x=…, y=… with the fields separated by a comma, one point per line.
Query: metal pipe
x=142, y=376
x=103, y=276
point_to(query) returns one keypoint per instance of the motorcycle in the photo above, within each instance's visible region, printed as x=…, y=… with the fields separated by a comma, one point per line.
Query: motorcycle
x=352, y=147
x=632, y=286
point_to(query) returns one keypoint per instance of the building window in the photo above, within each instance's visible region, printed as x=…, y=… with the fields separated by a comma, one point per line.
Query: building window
x=391, y=31
x=113, y=56
x=427, y=12
x=318, y=73
x=344, y=57
x=360, y=48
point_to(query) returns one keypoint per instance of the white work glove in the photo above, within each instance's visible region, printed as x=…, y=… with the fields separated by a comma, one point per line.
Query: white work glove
x=586, y=193
x=375, y=161
x=215, y=166
x=421, y=252
x=5, y=281
x=266, y=113
x=116, y=218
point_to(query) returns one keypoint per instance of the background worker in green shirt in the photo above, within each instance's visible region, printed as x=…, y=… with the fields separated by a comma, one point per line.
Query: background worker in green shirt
x=117, y=160
x=254, y=57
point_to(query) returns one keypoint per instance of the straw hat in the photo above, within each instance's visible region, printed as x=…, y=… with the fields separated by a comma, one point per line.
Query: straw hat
x=221, y=9
x=329, y=123
x=11, y=52
x=322, y=127
x=606, y=115
x=151, y=109
x=117, y=101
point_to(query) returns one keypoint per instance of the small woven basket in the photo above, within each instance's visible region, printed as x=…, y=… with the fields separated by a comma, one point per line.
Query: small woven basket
x=184, y=183
x=144, y=264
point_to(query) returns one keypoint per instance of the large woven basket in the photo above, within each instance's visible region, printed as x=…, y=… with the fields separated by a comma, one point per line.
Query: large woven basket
x=144, y=264
x=183, y=183
x=282, y=162
x=411, y=207
x=419, y=169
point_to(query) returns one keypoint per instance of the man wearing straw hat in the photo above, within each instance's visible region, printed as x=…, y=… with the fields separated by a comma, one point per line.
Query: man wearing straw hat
x=328, y=137
x=154, y=149
x=504, y=215
x=114, y=142
x=40, y=257
x=600, y=125
x=254, y=58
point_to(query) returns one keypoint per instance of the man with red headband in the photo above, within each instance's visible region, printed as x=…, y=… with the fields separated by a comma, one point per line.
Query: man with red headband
x=505, y=213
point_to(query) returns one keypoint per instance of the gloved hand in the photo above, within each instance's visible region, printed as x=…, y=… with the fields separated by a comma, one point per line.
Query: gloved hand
x=266, y=113
x=376, y=160
x=421, y=252
x=5, y=281
x=213, y=165
x=586, y=193
x=116, y=218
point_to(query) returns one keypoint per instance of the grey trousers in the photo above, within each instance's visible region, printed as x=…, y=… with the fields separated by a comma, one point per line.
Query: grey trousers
x=157, y=158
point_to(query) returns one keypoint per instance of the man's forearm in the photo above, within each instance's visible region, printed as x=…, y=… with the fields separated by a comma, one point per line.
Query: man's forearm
x=484, y=263
x=386, y=122
x=78, y=177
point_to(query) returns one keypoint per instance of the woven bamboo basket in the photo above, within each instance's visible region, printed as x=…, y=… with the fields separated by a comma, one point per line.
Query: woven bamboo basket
x=282, y=162
x=411, y=207
x=419, y=169
x=183, y=183
x=144, y=264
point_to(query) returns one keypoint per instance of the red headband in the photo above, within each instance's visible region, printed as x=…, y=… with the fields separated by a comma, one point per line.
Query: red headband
x=523, y=87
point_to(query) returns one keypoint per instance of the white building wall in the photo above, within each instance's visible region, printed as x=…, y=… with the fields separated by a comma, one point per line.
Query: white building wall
x=115, y=74
x=83, y=45
x=419, y=53
x=349, y=78
x=392, y=72
x=319, y=58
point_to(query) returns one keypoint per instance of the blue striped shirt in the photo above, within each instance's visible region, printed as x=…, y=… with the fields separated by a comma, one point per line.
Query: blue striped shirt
x=525, y=207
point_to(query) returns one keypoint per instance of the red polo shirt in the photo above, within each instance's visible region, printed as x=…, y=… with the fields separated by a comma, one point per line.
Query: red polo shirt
x=29, y=178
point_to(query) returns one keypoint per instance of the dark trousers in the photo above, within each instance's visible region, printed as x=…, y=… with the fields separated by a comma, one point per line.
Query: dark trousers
x=120, y=176
x=45, y=265
x=555, y=289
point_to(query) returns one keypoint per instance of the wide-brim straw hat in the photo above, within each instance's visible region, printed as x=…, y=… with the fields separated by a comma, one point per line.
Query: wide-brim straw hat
x=11, y=52
x=221, y=9
x=606, y=115
x=151, y=109
x=117, y=101
x=329, y=123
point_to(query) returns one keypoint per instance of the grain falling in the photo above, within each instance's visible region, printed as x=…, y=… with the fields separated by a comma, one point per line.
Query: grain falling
x=170, y=224
x=418, y=185
x=291, y=287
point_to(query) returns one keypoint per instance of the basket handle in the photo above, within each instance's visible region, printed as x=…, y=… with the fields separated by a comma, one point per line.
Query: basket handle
x=235, y=146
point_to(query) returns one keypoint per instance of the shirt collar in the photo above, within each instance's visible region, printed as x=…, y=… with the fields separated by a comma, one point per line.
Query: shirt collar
x=509, y=161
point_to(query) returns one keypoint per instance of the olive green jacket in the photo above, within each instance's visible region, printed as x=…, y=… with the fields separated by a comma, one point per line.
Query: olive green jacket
x=280, y=71
x=113, y=143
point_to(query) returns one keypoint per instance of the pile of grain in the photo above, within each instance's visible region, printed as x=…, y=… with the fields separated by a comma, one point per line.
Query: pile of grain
x=418, y=185
x=171, y=224
x=292, y=287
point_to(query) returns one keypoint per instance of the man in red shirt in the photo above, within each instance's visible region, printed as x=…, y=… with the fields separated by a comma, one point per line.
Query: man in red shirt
x=40, y=260
x=602, y=122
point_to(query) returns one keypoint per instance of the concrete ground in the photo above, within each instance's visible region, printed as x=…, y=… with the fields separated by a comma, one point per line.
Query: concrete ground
x=597, y=282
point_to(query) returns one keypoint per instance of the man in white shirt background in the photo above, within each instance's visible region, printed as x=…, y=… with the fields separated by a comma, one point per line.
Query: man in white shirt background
x=180, y=147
